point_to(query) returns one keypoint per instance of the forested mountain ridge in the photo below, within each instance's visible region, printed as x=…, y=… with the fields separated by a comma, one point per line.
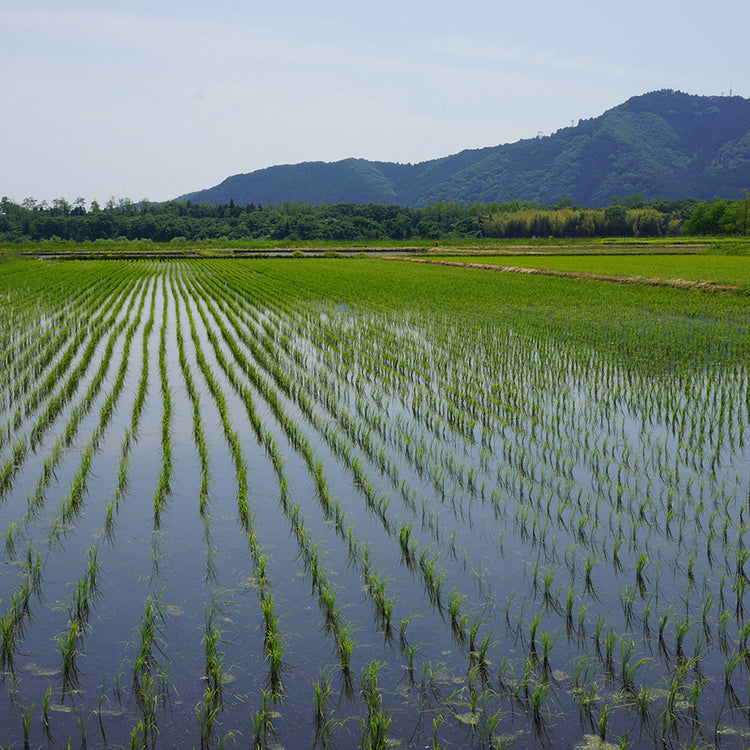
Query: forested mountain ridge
x=662, y=144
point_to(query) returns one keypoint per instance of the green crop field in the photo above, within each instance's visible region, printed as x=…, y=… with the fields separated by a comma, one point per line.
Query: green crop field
x=719, y=269
x=356, y=502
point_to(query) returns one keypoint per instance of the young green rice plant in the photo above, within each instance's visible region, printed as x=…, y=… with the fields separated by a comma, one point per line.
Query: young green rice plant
x=455, y=600
x=662, y=626
x=214, y=658
x=45, y=707
x=375, y=726
x=148, y=646
x=589, y=563
x=262, y=721
x=205, y=713
x=10, y=541
x=27, y=715
x=406, y=544
x=93, y=570
x=547, y=581
x=731, y=663
x=138, y=736
x=346, y=649
x=275, y=652
x=640, y=575
x=533, y=627
x=321, y=696
x=81, y=606
x=83, y=724
x=610, y=639
x=629, y=669
x=548, y=641
x=68, y=643
x=34, y=569
x=603, y=721
x=682, y=628
x=537, y=703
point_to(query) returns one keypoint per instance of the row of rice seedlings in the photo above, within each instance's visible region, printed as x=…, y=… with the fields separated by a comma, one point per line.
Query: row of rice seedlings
x=13, y=620
x=230, y=434
x=163, y=488
x=140, y=397
x=198, y=434
x=207, y=711
x=70, y=642
x=377, y=722
x=131, y=432
x=150, y=666
x=273, y=643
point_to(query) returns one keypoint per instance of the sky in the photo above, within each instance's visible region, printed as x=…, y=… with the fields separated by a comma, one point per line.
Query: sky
x=152, y=100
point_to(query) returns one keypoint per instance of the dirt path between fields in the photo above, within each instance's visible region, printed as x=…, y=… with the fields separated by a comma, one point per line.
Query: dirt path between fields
x=703, y=286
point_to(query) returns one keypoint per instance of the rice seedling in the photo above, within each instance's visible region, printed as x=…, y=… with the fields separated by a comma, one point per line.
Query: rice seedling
x=45, y=707
x=27, y=715
x=68, y=643
x=322, y=694
x=262, y=721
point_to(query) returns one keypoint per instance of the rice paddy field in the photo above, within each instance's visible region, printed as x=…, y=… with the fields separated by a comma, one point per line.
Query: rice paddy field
x=287, y=503
x=718, y=269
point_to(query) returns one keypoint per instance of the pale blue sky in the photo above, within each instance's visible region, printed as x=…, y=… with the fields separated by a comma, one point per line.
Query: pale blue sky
x=155, y=99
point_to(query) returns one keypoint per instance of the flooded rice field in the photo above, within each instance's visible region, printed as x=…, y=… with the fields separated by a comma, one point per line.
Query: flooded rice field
x=347, y=503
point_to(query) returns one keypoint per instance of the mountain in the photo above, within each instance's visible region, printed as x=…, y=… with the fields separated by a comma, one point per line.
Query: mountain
x=663, y=144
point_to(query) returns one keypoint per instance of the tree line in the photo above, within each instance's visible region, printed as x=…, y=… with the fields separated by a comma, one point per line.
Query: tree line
x=631, y=216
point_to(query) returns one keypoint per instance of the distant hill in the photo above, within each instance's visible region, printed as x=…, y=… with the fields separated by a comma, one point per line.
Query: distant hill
x=663, y=144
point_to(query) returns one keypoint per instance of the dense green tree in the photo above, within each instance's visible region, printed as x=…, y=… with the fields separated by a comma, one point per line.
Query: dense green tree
x=349, y=221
